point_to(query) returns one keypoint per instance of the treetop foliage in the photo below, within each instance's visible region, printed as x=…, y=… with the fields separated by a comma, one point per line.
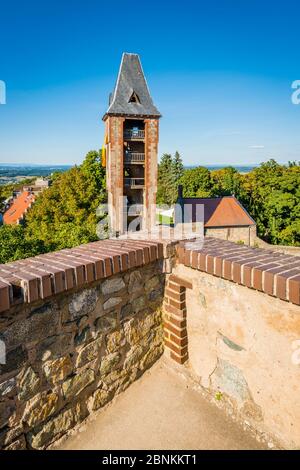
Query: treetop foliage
x=270, y=193
x=65, y=215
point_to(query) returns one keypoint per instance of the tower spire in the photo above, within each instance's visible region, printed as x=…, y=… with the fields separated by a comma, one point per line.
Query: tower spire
x=131, y=136
x=131, y=82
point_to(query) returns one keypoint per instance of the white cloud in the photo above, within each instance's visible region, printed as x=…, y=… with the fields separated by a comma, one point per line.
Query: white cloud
x=256, y=147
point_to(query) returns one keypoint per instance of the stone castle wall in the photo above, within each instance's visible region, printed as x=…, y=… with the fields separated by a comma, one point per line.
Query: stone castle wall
x=70, y=354
x=247, y=235
x=232, y=317
x=243, y=348
x=80, y=325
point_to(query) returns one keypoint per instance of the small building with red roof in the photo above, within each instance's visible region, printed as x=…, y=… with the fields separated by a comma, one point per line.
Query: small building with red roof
x=20, y=205
x=224, y=217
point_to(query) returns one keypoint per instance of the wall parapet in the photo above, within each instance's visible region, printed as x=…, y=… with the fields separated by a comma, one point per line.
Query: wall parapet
x=273, y=273
x=43, y=276
x=68, y=355
x=80, y=325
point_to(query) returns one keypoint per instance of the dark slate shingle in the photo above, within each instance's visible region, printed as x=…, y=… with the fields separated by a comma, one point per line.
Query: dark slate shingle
x=131, y=80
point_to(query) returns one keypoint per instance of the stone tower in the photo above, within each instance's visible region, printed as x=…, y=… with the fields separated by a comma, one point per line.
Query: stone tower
x=131, y=141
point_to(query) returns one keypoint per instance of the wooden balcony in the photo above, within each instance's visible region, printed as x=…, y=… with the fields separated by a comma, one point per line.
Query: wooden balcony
x=134, y=134
x=134, y=158
x=134, y=183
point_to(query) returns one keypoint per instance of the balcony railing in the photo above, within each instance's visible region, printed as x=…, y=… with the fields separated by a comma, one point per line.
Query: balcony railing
x=135, y=182
x=134, y=134
x=134, y=157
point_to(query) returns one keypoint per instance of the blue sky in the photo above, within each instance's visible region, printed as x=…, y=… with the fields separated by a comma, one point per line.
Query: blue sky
x=220, y=73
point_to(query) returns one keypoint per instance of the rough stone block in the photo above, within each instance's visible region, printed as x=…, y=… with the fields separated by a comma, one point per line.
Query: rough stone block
x=135, y=282
x=58, y=369
x=112, y=285
x=9, y=435
x=7, y=387
x=112, y=302
x=126, y=310
x=138, y=304
x=115, y=341
x=54, y=346
x=19, y=444
x=41, y=324
x=132, y=332
x=39, y=408
x=83, y=303
x=28, y=383
x=89, y=352
x=82, y=337
x=152, y=283
x=99, y=399
x=155, y=295
x=6, y=409
x=133, y=356
x=106, y=323
x=56, y=427
x=75, y=385
x=15, y=359
x=108, y=363
x=152, y=356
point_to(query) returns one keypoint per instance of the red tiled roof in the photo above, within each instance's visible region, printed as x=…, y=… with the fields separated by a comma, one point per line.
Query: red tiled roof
x=222, y=211
x=18, y=208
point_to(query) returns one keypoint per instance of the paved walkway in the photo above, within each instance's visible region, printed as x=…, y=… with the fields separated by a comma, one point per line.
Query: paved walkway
x=160, y=411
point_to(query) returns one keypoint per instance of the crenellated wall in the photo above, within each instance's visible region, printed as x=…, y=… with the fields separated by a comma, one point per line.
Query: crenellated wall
x=80, y=325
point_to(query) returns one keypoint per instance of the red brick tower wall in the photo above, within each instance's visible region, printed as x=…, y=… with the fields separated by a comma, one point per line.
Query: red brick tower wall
x=114, y=171
x=151, y=148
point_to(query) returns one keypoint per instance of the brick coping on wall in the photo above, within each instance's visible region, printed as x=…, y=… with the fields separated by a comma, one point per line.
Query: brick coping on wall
x=267, y=271
x=40, y=277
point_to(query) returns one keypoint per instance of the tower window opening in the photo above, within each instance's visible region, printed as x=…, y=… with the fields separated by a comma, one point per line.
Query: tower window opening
x=134, y=98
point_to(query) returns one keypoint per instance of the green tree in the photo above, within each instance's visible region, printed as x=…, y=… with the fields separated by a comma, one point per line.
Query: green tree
x=197, y=182
x=14, y=244
x=93, y=169
x=165, y=190
x=170, y=172
x=65, y=214
x=178, y=168
x=226, y=182
x=271, y=193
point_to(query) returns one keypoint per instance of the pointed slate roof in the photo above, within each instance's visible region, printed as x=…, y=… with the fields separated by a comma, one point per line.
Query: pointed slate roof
x=131, y=95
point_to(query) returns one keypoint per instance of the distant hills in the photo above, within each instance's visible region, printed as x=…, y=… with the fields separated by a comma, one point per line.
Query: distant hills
x=15, y=172
x=239, y=168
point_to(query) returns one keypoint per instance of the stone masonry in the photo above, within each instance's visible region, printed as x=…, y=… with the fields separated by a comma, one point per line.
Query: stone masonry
x=70, y=354
x=80, y=325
